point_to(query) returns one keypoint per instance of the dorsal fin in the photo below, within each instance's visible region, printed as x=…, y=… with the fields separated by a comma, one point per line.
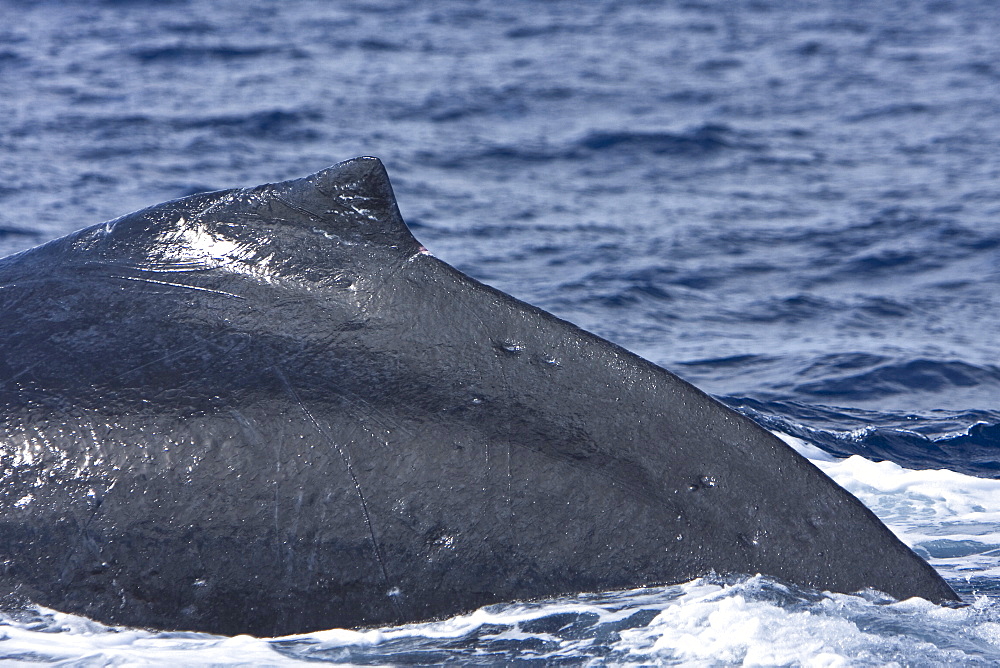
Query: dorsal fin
x=352, y=200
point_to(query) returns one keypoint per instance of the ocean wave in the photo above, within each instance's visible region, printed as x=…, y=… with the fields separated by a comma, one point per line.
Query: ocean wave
x=890, y=111
x=698, y=142
x=878, y=376
x=118, y=134
x=16, y=231
x=284, y=124
x=967, y=442
x=190, y=52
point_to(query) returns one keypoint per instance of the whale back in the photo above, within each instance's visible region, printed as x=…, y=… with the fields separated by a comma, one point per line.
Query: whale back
x=271, y=411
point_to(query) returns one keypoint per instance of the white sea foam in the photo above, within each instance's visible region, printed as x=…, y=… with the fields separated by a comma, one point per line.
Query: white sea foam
x=748, y=621
x=55, y=638
x=710, y=624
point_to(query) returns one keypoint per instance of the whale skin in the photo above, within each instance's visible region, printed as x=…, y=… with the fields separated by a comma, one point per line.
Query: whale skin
x=272, y=411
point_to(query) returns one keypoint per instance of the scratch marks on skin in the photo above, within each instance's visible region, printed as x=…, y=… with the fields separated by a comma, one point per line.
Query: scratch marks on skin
x=510, y=351
x=199, y=343
x=37, y=451
x=510, y=484
x=174, y=268
x=469, y=303
x=345, y=456
x=255, y=437
x=178, y=285
x=348, y=201
x=17, y=375
x=345, y=201
x=296, y=207
x=375, y=415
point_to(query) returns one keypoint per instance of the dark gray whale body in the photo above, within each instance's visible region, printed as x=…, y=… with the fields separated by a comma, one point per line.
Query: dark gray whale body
x=271, y=411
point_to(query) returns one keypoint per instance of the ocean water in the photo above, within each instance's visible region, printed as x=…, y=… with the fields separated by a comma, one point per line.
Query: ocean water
x=793, y=205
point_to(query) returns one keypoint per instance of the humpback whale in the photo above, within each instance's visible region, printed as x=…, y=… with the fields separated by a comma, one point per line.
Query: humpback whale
x=272, y=411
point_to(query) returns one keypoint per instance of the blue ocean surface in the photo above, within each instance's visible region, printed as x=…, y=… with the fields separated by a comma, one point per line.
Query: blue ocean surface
x=793, y=205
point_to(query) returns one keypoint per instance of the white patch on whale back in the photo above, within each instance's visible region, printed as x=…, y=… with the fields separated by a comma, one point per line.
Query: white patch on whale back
x=201, y=243
x=193, y=246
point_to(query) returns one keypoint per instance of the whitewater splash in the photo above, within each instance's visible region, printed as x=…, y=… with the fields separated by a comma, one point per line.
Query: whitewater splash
x=749, y=621
x=950, y=518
